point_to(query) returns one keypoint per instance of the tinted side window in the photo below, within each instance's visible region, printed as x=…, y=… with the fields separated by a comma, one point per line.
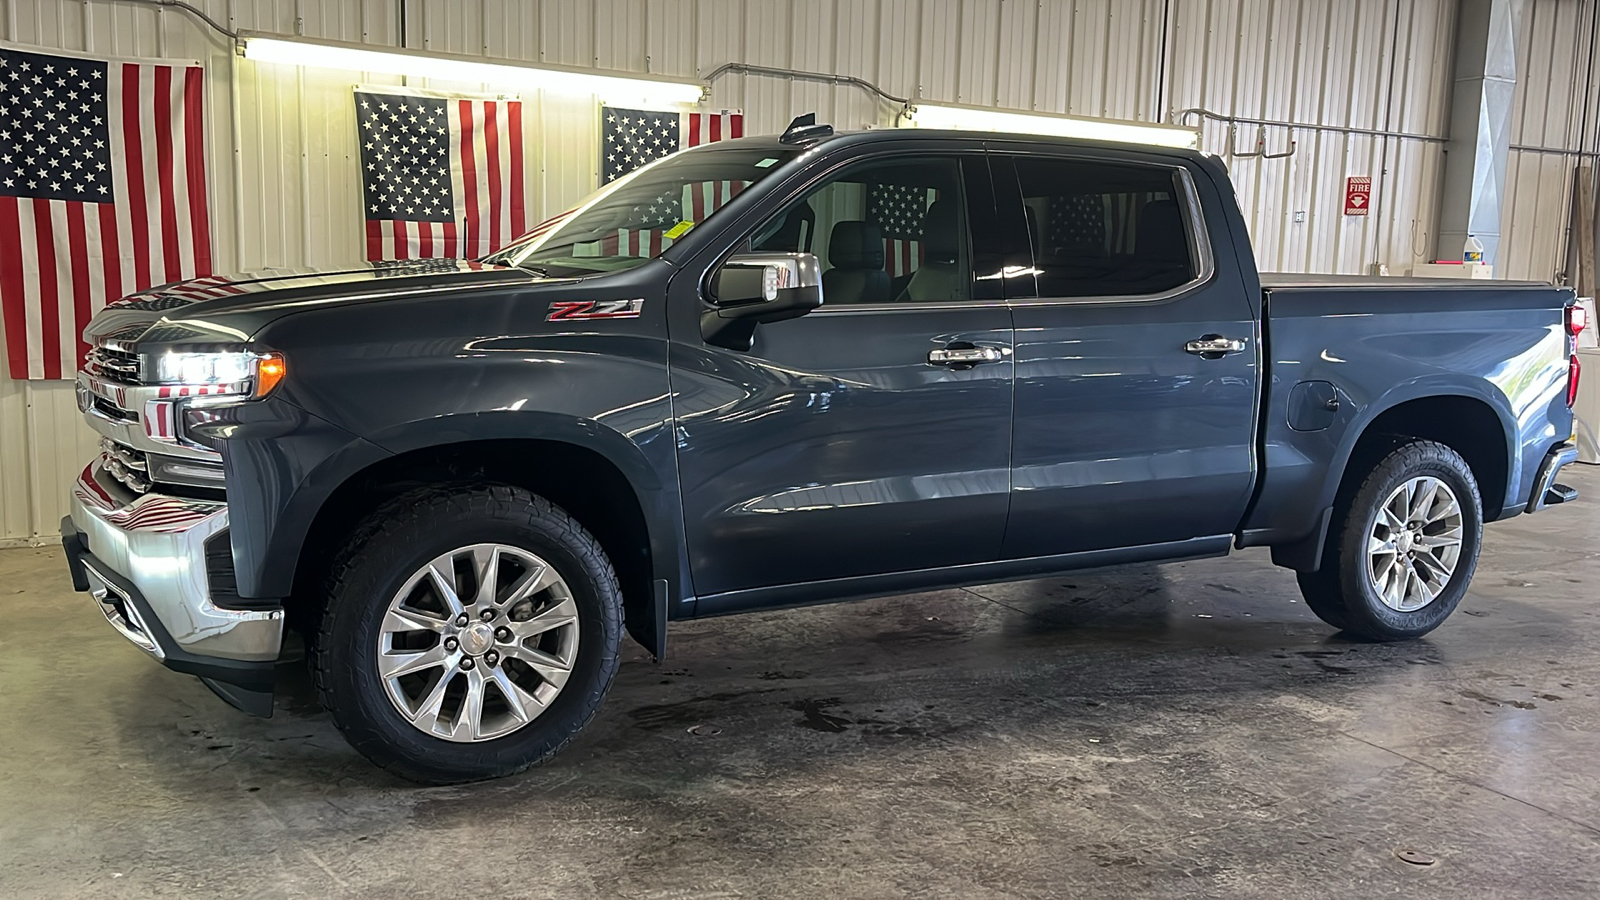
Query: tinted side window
x=1105, y=230
x=885, y=232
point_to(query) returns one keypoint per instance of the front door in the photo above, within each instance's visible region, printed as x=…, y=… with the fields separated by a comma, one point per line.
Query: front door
x=853, y=441
x=1136, y=361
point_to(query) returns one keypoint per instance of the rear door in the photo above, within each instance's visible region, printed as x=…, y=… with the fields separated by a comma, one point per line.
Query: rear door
x=873, y=434
x=1136, y=359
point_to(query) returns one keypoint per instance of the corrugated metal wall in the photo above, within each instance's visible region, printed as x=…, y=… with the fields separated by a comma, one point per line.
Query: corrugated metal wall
x=281, y=138
x=1555, y=120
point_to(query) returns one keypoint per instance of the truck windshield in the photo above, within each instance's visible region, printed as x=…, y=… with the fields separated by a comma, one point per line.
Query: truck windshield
x=638, y=216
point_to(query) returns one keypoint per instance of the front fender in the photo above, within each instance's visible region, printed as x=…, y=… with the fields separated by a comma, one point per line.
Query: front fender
x=589, y=434
x=435, y=371
x=285, y=464
x=281, y=463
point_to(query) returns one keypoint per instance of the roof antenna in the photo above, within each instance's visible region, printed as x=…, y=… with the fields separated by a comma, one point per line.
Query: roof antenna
x=805, y=128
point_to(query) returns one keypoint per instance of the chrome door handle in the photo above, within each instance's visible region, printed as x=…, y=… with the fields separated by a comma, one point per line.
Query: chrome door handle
x=1214, y=346
x=963, y=356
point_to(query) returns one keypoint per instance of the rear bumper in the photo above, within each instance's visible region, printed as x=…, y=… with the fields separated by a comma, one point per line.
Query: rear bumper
x=143, y=560
x=1545, y=490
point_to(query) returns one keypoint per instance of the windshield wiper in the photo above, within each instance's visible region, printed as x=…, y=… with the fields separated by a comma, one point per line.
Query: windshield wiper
x=506, y=264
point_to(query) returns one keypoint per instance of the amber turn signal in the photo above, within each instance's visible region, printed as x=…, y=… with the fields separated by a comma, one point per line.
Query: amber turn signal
x=270, y=369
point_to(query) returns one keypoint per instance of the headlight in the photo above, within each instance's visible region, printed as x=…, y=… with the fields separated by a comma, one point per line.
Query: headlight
x=204, y=368
x=262, y=371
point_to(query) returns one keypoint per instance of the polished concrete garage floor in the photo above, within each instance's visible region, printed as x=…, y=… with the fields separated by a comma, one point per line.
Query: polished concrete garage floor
x=1187, y=729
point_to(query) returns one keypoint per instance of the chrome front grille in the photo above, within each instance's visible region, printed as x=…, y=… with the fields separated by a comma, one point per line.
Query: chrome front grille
x=111, y=364
x=112, y=411
x=126, y=465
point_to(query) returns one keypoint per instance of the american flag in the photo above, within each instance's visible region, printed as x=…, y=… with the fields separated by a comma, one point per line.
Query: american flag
x=549, y=224
x=1104, y=223
x=656, y=219
x=441, y=176
x=102, y=193
x=898, y=211
x=1076, y=224
x=635, y=137
x=631, y=138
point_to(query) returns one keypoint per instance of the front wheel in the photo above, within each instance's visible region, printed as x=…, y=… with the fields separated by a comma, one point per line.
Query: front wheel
x=1404, y=548
x=469, y=634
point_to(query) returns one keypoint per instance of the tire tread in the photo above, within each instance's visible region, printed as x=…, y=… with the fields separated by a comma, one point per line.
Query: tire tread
x=1335, y=593
x=411, y=512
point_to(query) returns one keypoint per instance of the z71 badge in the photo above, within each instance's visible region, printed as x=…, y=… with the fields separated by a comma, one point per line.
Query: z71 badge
x=565, y=310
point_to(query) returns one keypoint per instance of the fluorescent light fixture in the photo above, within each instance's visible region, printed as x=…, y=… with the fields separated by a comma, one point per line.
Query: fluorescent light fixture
x=977, y=118
x=452, y=67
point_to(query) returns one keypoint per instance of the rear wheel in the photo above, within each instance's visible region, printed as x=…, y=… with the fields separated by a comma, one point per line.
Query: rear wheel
x=469, y=634
x=1404, y=546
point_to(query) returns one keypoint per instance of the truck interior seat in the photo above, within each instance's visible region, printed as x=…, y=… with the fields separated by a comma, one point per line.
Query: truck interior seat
x=855, y=258
x=1161, y=248
x=1074, y=245
x=1034, y=234
x=794, y=234
x=940, y=276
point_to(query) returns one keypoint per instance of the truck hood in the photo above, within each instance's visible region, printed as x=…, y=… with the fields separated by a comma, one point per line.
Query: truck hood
x=252, y=299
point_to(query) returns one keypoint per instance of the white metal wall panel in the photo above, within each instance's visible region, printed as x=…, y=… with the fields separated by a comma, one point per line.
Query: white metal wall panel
x=1557, y=89
x=283, y=190
x=1373, y=64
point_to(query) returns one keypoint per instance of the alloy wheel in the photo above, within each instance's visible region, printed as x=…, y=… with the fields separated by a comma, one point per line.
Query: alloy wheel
x=1415, y=543
x=478, y=642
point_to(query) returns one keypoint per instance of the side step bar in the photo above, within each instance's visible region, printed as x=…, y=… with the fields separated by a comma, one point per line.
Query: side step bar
x=1545, y=490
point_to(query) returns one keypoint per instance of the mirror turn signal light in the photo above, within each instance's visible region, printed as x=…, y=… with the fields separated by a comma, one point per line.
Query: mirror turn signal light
x=270, y=369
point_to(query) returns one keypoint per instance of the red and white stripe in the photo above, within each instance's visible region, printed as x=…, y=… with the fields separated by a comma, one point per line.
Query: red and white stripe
x=699, y=201
x=486, y=182
x=160, y=415
x=645, y=243
x=148, y=512
x=208, y=288
x=901, y=257
x=62, y=260
x=116, y=393
x=702, y=199
x=548, y=225
x=709, y=127
x=159, y=513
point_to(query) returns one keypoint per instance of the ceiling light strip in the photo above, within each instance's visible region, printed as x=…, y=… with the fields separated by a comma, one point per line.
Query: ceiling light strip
x=976, y=118
x=471, y=70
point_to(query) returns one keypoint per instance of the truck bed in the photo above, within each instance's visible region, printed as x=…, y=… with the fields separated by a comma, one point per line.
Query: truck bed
x=1485, y=361
x=1282, y=280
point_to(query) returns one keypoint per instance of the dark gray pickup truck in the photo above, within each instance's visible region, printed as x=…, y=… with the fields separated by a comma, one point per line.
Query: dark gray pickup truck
x=778, y=371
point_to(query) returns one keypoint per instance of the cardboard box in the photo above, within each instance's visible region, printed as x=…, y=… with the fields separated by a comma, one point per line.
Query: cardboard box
x=1452, y=270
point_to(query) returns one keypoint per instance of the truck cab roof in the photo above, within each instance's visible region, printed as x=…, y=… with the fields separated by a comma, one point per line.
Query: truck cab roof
x=946, y=137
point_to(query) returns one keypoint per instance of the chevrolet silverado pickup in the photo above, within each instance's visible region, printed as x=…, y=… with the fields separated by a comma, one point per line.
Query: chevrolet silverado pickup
x=778, y=371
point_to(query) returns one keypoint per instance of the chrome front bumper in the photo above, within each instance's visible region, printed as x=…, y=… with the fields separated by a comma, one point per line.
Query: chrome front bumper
x=143, y=559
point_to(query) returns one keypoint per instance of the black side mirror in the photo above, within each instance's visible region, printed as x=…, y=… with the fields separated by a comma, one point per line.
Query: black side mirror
x=756, y=288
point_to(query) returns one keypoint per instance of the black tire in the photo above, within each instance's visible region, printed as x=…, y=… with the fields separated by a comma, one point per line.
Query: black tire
x=399, y=539
x=1342, y=594
x=1321, y=591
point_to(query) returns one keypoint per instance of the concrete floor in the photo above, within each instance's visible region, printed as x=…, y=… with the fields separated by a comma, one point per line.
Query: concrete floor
x=1187, y=729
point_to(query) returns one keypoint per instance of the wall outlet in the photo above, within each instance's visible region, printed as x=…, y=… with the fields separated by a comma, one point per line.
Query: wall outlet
x=1299, y=215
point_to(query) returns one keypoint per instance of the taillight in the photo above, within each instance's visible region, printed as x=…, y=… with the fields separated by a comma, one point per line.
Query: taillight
x=1577, y=319
x=1573, y=371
